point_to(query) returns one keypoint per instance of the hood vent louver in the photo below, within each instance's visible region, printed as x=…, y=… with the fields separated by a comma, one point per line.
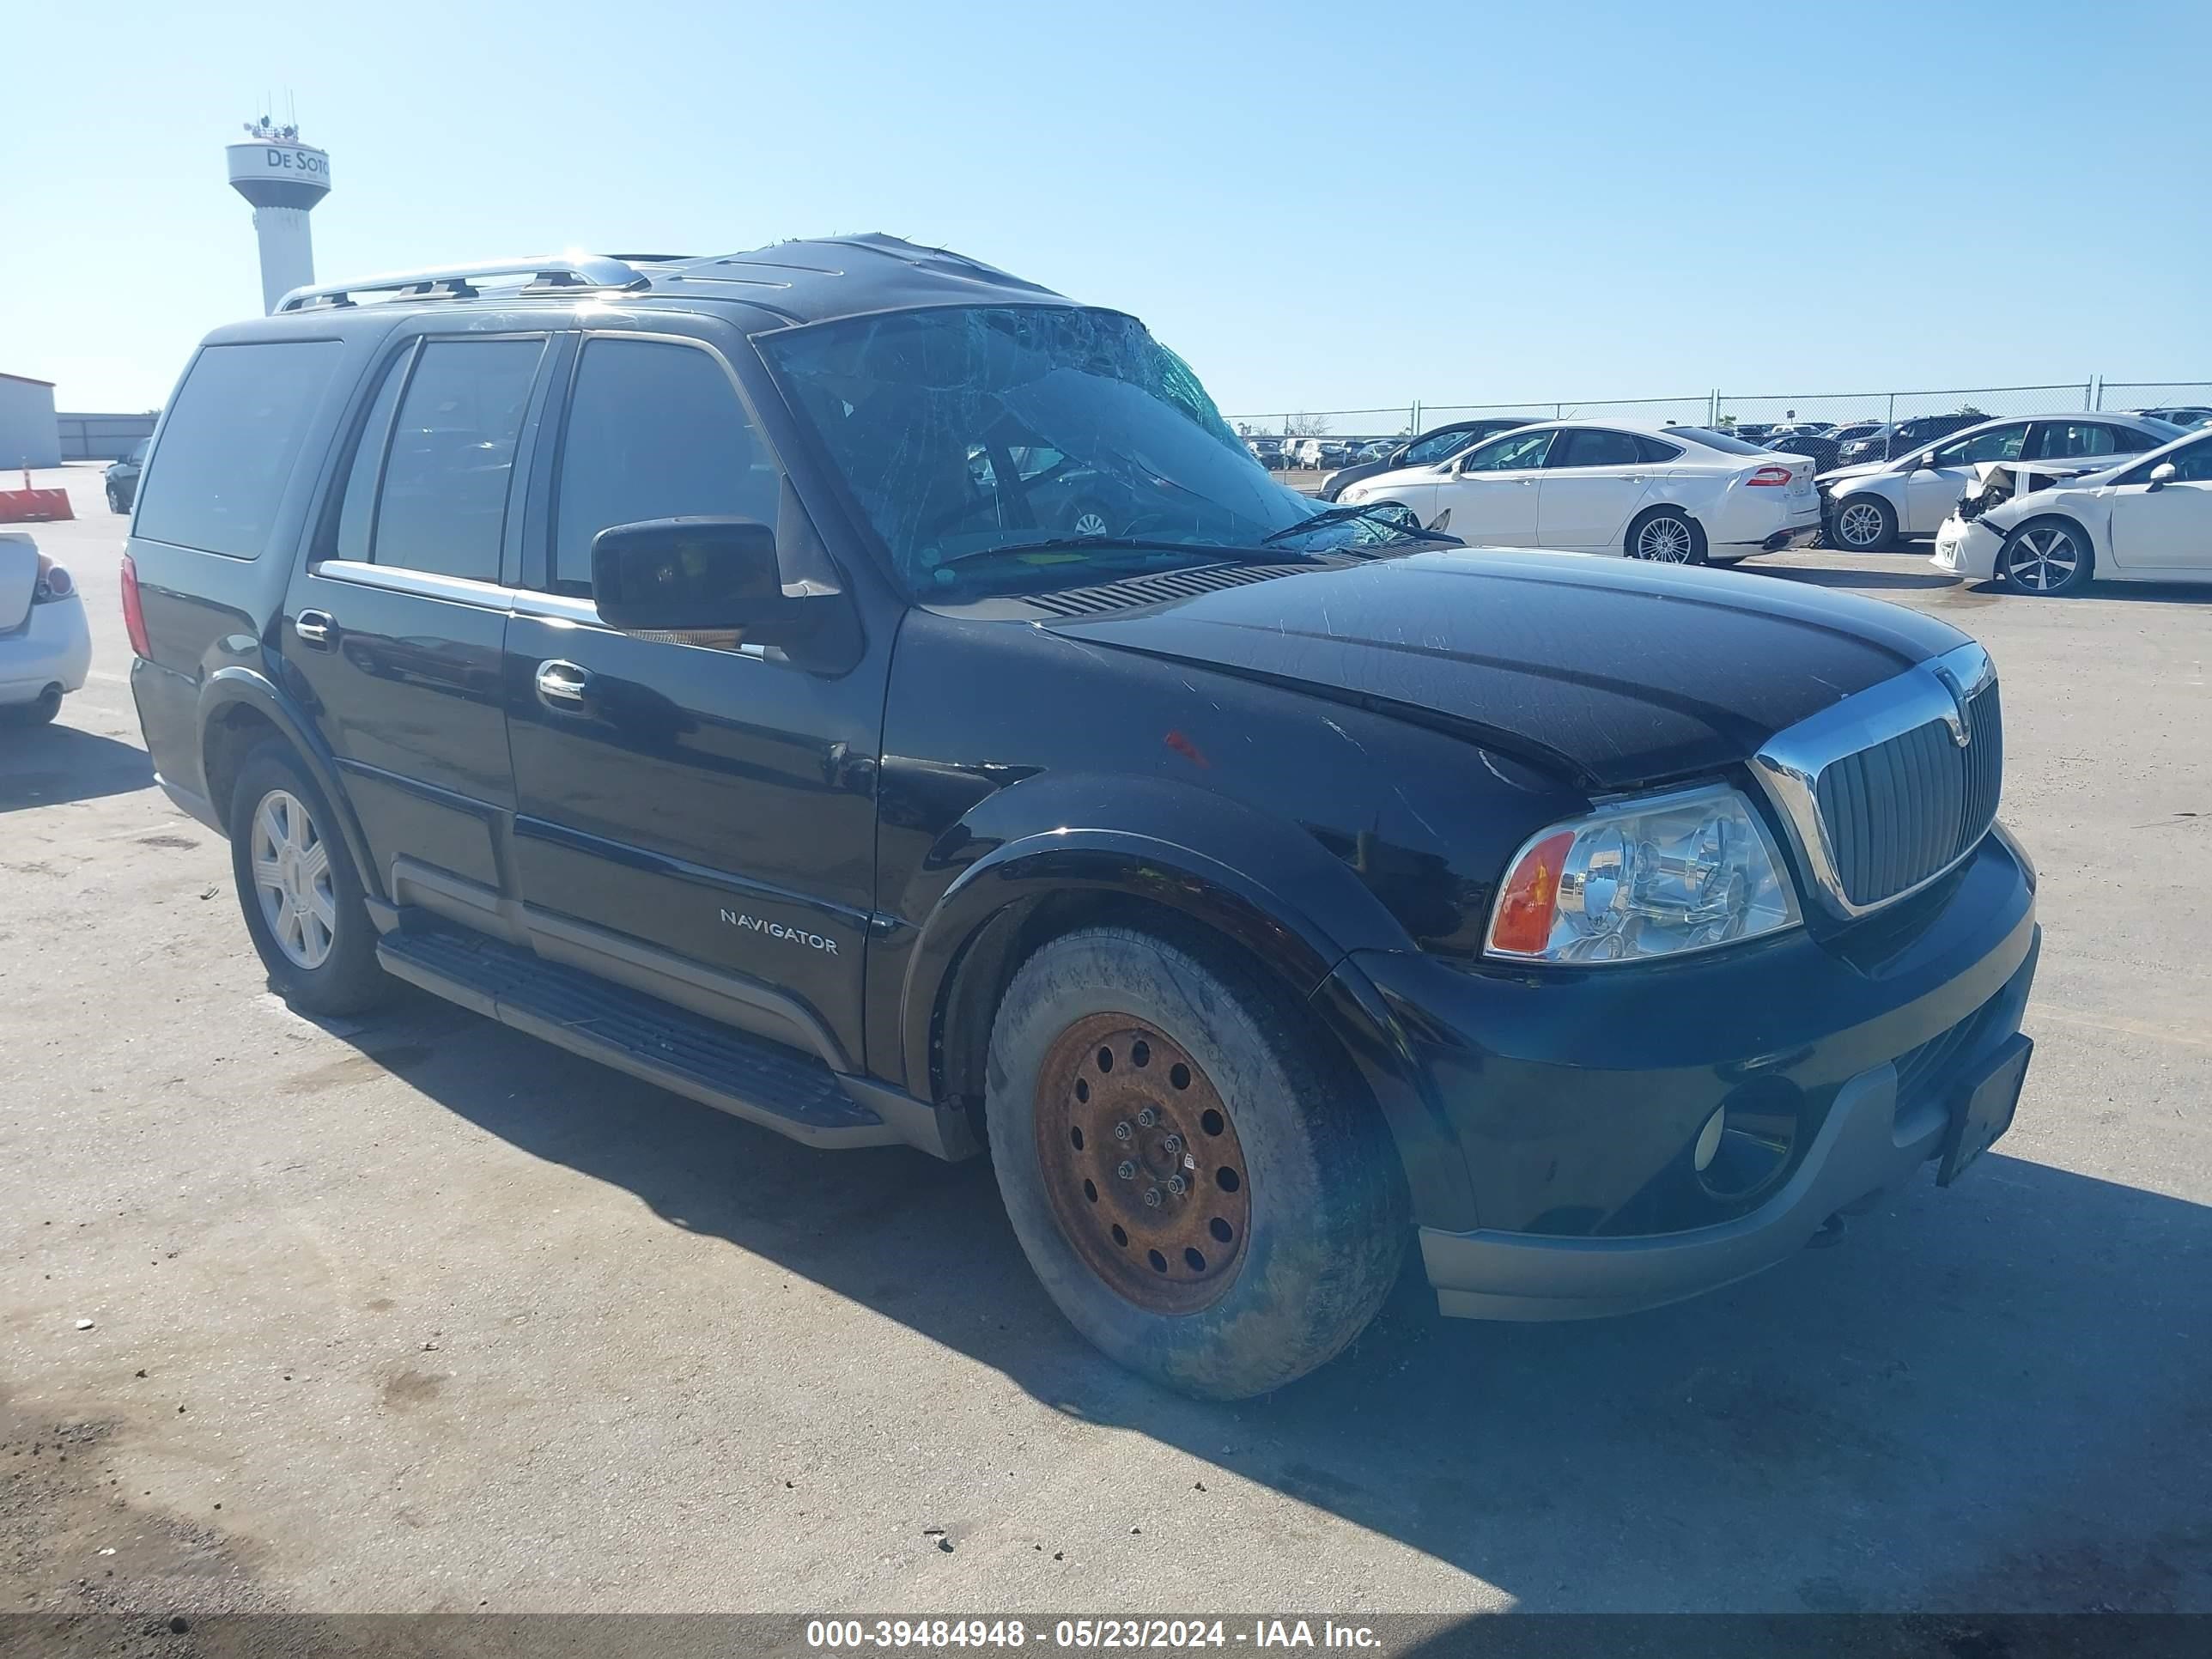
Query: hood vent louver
x=1160, y=587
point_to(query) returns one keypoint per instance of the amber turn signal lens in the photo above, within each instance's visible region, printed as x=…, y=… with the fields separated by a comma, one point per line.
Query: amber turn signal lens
x=1530, y=899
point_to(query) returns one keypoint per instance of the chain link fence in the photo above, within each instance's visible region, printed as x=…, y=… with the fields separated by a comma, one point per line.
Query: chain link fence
x=1340, y=428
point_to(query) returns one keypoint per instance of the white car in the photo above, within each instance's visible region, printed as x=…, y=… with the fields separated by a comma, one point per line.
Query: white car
x=1677, y=495
x=2148, y=520
x=46, y=649
x=1875, y=503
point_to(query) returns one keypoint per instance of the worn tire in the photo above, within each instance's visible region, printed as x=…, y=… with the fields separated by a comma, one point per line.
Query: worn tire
x=2029, y=560
x=347, y=981
x=1631, y=543
x=1328, y=1217
x=1873, y=525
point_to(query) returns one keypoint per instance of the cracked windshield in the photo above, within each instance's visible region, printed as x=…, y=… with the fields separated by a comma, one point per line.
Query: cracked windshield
x=994, y=448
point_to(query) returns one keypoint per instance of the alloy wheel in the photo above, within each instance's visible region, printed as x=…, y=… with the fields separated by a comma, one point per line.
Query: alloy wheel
x=1142, y=1166
x=292, y=879
x=1664, y=541
x=1089, y=522
x=1859, y=525
x=2045, y=559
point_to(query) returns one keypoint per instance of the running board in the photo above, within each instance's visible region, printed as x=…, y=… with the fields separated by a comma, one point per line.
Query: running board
x=762, y=1082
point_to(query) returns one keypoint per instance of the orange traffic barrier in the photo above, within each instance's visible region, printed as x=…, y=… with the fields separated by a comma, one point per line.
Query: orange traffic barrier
x=29, y=506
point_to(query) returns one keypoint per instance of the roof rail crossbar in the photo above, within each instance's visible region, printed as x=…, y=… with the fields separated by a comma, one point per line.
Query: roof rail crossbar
x=564, y=270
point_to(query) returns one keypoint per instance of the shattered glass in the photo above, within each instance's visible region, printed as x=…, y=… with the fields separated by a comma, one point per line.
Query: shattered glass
x=964, y=430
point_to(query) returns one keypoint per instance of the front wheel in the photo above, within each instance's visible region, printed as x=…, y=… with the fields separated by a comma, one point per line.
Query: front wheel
x=1666, y=535
x=115, y=500
x=1201, y=1186
x=296, y=884
x=2048, y=557
x=1863, y=524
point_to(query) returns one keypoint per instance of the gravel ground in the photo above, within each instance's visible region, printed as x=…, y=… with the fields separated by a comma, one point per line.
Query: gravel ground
x=419, y=1313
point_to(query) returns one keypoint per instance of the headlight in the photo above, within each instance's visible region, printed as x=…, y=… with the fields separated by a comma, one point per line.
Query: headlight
x=1642, y=878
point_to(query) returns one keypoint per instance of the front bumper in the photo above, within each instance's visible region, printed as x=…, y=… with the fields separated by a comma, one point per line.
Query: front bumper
x=53, y=647
x=1575, y=1098
x=1967, y=549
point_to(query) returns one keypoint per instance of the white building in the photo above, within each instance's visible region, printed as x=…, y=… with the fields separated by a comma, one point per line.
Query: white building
x=29, y=435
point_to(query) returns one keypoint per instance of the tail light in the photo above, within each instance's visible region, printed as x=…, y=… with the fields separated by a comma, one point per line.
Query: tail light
x=1769, y=477
x=134, y=615
x=54, y=583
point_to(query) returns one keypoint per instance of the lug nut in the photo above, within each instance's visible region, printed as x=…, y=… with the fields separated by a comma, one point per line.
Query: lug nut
x=1128, y=1169
x=1122, y=1131
x=1148, y=1117
x=1177, y=1186
x=1151, y=1198
x=1172, y=1145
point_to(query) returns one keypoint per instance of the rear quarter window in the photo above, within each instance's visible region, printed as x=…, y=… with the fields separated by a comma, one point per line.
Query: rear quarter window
x=228, y=444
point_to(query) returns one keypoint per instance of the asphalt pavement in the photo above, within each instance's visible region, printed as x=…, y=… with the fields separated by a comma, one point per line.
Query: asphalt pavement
x=418, y=1314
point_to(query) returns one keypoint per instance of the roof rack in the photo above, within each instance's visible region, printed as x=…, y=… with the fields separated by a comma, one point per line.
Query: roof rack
x=546, y=272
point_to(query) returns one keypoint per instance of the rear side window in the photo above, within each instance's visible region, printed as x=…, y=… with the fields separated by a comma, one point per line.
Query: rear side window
x=1652, y=450
x=442, y=508
x=1586, y=446
x=656, y=431
x=229, y=441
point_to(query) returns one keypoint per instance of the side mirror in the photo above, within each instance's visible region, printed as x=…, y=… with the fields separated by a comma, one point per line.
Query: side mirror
x=2164, y=473
x=686, y=575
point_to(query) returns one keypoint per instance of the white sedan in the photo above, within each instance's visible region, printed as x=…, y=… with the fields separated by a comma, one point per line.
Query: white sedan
x=1874, y=503
x=45, y=649
x=1677, y=495
x=2149, y=520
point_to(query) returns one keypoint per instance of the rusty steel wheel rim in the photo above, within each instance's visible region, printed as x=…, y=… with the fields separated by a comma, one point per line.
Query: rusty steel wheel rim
x=1141, y=1164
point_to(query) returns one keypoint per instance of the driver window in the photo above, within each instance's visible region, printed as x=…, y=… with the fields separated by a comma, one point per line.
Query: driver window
x=655, y=431
x=1515, y=451
x=2001, y=443
x=2191, y=465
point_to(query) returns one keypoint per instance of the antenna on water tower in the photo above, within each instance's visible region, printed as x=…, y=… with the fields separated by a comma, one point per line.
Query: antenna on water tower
x=284, y=178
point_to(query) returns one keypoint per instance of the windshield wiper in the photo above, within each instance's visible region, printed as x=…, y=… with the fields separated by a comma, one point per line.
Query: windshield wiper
x=1366, y=510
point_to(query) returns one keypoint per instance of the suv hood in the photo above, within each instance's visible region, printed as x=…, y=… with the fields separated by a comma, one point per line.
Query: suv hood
x=1613, y=674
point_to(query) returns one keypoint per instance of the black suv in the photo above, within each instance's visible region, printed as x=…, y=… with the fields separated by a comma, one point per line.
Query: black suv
x=668, y=658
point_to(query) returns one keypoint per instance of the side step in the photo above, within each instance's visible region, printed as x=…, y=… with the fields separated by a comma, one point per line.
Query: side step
x=762, y=1082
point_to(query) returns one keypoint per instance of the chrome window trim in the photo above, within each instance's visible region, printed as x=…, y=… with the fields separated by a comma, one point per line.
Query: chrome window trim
x=1789, y=765
x=423, y=584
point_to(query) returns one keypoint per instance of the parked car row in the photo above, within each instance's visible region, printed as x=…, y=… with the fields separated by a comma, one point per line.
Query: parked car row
x=1874, y=504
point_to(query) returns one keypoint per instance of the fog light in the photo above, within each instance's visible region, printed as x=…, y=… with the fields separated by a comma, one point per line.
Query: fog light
x=1708, y=1141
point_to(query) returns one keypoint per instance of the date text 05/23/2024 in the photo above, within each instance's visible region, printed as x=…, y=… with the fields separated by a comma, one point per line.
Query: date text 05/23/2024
x=1088, y=1634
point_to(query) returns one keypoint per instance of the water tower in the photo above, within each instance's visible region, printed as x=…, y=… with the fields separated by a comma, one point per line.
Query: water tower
x=284, y=178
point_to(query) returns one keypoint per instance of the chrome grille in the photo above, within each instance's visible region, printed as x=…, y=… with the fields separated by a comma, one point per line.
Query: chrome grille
x=1898, y=812
x=1888, y=789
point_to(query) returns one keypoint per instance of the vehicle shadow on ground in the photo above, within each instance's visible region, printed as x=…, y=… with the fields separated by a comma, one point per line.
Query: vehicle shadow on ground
x=45, y=765
x=1856, y=579
x=1990, y=1398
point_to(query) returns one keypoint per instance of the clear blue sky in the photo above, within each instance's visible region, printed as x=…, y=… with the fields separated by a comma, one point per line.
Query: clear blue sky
x=1319, y=205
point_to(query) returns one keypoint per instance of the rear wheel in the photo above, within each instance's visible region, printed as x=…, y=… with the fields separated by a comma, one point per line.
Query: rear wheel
x=2048, y=557
x=1666, y=535
x=297, y=886
x=115, y=500
x=1201, y=1186
x=1863, y=524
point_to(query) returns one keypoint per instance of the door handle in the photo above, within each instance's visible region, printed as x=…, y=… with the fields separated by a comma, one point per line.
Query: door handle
x=315, y=628
x=564, y=686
